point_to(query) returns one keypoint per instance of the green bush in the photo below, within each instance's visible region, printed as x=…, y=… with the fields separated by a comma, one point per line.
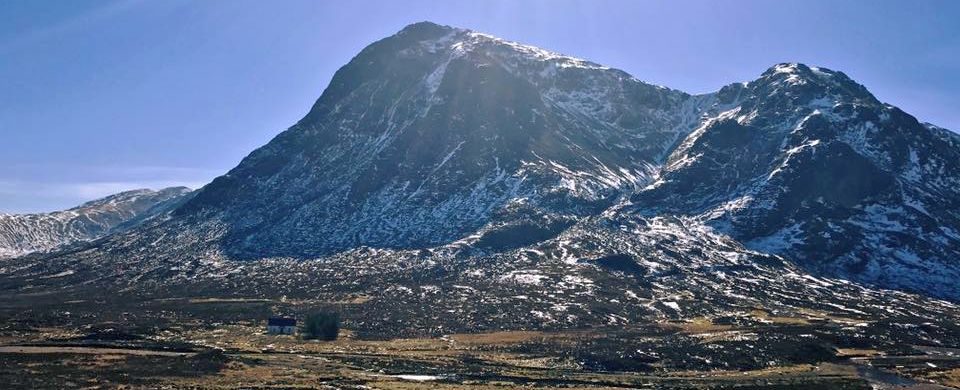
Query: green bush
x=321, y=325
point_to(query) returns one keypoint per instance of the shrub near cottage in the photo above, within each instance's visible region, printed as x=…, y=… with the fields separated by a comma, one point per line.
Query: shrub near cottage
x=321, y=325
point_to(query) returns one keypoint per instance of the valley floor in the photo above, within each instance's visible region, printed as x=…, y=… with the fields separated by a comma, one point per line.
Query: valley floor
x=200, y=343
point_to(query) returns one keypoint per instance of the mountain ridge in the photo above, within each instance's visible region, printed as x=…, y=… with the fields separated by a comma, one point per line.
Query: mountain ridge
x=871, y=166
x=21, y=234
x=441, y=157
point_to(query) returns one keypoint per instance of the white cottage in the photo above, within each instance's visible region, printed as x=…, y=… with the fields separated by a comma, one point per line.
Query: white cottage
x=281, y=325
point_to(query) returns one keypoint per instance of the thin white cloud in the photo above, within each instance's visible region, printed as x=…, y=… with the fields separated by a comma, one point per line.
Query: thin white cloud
x=39, y=187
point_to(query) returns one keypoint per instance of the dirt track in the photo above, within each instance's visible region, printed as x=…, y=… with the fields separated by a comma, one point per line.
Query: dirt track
x=89, y=351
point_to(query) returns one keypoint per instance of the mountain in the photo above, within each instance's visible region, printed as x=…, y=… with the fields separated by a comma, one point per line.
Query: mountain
x=431, y=134
x=806, y=163
x=437, y=133
x=24, y=233
x=447, y=180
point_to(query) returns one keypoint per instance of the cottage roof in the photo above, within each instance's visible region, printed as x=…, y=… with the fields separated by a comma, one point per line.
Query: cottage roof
x=281, y=321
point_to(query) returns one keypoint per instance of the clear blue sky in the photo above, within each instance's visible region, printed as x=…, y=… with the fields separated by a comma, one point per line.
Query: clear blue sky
x=101, y=96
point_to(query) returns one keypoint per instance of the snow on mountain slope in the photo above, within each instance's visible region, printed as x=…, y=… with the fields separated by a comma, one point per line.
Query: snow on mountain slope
x=25, y=233
x=460, y=180
x=806, y=163
x=428, y=135
x=617, y=270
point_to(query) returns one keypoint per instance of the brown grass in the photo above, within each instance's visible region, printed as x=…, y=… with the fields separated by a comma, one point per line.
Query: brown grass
x=949, y=378
x=857, y=352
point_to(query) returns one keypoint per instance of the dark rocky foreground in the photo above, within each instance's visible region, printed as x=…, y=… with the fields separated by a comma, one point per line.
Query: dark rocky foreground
x=206, y=342
x=740, y=319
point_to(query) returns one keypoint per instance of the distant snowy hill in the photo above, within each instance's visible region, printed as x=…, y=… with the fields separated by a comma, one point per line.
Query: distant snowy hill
x=457, y=179
x=25, y=233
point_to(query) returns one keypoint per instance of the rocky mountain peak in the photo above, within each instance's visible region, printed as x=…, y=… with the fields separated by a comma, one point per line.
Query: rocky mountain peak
x=426, y=29
x=438, y=117
x=818, y=87
x=434, y=38
x=805, y=162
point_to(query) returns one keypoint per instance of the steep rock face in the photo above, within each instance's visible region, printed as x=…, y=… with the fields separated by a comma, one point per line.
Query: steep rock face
x=428, y=135
x=806, y=163
x=25, y=233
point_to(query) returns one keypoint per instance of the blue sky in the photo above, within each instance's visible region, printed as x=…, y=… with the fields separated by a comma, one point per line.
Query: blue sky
x=102, y=96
